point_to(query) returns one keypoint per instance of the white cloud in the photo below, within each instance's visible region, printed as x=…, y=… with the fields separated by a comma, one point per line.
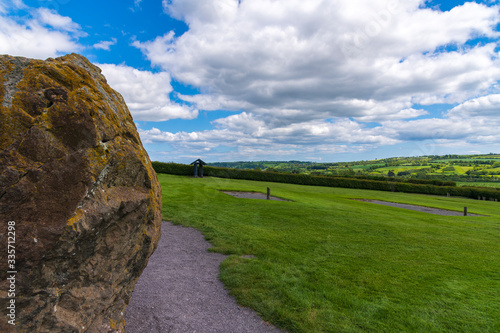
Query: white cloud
x=245, y=131
x=146, y=93
x=486, y=106
x=43, y=34
x=211, y=103
x=463, y=130
x=403, y=114
x=33, y=41
x=137, y=5
x=265, y=54
x=105, y=45
x=5, y=5
x=232, y=145
x=310, y=73
x=53, y=19
x=250, y=137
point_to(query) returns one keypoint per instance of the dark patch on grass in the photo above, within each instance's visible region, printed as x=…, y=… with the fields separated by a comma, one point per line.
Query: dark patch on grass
x=252, y=195
x=423, y=209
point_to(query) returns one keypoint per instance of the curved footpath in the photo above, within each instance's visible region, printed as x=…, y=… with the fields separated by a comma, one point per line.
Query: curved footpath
x=179, y=291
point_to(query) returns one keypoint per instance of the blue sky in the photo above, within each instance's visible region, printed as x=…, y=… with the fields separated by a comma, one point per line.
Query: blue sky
x=318, y=80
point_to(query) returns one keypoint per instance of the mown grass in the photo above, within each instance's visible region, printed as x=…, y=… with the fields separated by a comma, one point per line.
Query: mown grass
x=327, y=263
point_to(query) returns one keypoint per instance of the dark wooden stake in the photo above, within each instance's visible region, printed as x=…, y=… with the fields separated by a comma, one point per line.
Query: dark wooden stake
x=268, y=193
x=465, y=211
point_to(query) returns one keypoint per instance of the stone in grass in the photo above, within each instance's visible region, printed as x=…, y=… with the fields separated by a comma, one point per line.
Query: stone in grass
x=81, y=191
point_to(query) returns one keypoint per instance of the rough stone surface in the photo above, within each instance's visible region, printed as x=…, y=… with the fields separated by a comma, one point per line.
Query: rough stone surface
x=80, y=188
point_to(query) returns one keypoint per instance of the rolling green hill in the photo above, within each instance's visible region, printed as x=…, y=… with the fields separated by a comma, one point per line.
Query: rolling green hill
x=460, y=168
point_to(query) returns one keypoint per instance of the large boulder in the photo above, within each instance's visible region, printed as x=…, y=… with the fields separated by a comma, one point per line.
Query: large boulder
x=78, y=189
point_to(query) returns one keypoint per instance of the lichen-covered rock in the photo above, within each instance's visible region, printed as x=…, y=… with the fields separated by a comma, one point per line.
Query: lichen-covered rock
x=79, y=187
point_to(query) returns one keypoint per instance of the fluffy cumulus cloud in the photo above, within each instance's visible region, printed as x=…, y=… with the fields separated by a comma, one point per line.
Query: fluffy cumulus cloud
x=41, y=34
x=146, y=93
x=105, y=45
x=486, y=106
x=52, y=19
x=249, y=136
x=284, y=53
x=318, y=70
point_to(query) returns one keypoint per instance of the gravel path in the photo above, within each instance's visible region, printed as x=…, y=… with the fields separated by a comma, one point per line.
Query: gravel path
x=179, y=291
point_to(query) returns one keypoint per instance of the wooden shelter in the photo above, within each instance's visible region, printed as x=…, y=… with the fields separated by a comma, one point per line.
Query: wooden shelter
x=198, y=168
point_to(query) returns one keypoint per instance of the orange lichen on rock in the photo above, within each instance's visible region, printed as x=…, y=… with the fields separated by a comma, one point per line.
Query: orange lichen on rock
x=74, y=177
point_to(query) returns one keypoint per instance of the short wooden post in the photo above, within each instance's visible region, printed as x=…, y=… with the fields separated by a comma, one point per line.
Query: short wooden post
x=200, y=171
x=465, y=211
x=268, y=193
x=196, y=170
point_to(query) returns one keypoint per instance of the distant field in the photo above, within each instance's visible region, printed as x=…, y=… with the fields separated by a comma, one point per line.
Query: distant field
x=326, y=263
x=446, y=167
x=480, y=184
x=470, y=159
x=397, y=169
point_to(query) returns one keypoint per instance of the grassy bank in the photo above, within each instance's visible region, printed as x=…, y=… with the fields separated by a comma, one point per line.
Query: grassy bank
x=326, y=263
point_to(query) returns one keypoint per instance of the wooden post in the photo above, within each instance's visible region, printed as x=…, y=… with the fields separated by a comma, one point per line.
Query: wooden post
x=200, y=171
x=196, y=170
x=268, y=193
x=465, y=211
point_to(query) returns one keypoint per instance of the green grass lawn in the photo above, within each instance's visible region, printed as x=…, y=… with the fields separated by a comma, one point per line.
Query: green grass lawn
x=326, y=263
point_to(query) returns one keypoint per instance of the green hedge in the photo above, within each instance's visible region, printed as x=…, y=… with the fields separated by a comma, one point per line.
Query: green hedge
x=357, y=183
x=173, y=168
x=436, y=182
